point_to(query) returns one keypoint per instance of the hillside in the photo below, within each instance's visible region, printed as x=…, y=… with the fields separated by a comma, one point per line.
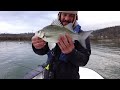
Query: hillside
x=18, y=37
x=109, y=33
x=106, y=33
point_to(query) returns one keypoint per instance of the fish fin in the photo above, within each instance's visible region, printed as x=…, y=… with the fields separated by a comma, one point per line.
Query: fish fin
x=56, y=22
x=69, y=27
x=51, y=45
x=83, y=36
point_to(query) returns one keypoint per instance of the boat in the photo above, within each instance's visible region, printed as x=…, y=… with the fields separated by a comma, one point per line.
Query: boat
x=85, y=73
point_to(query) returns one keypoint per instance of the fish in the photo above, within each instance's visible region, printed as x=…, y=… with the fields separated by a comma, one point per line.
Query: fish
x=52, y=32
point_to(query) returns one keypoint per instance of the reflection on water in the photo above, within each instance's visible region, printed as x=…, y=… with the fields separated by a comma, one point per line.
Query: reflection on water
x=17, y=58
x=113, y=44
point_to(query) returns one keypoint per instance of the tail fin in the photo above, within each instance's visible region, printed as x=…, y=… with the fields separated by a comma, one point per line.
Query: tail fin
x=56, y=22
x=83, y=36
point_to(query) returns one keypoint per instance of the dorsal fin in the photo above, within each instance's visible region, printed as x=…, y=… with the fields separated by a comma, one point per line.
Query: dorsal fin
x=56, y=22
x=69, y=26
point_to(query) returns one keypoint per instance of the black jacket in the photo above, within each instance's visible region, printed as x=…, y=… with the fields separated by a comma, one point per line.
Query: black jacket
x=69, y=68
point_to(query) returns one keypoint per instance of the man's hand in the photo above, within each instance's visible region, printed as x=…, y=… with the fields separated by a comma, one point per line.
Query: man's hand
x=66, y=44
x=38, y=43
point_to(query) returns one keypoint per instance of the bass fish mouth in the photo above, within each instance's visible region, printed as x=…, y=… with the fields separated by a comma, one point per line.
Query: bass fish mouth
x=41, y=34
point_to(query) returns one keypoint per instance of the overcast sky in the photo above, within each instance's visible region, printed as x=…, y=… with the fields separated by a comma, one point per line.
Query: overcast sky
x=31, y=21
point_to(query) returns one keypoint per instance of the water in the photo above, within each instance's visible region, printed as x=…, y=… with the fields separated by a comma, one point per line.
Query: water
x=18, y=58
x=105, y=59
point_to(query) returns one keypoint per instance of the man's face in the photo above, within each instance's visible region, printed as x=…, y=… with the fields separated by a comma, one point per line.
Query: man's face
x=66, y=18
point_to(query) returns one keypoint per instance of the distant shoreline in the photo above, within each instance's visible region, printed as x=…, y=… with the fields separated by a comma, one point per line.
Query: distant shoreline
x=106, y=34
x=16, y=37
x=28, y=36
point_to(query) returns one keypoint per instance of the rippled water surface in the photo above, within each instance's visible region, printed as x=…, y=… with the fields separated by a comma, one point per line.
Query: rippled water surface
x=17, y=58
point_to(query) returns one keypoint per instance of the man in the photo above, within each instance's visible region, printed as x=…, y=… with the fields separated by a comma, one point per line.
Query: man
x=64, y=60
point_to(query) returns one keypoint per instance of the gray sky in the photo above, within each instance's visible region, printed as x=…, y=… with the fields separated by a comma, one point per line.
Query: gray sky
x=31, y=21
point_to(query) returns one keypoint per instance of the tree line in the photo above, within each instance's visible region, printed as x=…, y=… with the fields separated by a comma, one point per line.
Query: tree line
x=112, y=33
x=16, y=37
x=101, y=34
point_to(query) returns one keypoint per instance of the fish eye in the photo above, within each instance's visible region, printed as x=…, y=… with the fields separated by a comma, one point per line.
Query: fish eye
x=43, y=36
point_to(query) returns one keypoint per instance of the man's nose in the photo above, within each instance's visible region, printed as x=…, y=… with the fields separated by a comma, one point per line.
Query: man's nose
x=67, y=18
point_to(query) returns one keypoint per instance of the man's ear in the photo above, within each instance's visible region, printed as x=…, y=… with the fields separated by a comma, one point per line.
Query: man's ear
x=59, y=15
x=76, y=17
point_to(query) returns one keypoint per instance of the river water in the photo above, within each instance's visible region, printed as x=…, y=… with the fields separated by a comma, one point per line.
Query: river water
x=18, y=58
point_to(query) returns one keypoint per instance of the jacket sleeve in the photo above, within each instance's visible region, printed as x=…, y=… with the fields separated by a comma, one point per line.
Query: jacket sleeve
x=80, y=56
x=42, y=51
